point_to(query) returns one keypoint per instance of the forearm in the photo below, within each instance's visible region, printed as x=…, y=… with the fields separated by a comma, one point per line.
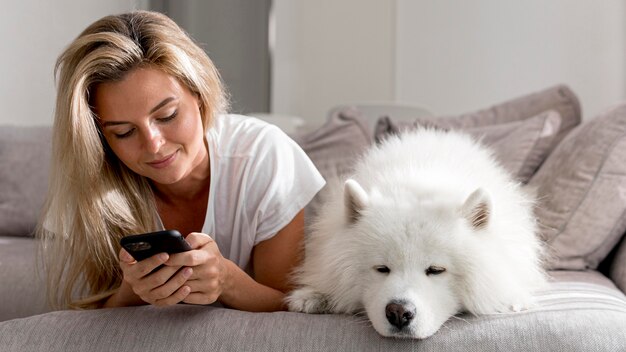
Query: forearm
x=244, y=293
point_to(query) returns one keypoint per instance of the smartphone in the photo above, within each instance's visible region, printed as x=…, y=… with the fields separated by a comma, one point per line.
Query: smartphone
x=148, y=244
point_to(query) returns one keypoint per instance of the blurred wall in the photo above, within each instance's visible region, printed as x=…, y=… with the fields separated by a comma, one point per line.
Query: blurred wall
x=33, y=33
x=458, y=56
x=449, y=56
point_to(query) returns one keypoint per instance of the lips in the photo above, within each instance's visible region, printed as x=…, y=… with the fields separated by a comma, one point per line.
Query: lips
x=161, y=163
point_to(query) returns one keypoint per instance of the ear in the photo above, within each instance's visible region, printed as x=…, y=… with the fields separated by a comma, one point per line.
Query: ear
x=477, y=209
x=355, y=200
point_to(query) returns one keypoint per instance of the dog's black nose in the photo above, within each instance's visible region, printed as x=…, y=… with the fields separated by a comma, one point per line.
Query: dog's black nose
x=400, y=314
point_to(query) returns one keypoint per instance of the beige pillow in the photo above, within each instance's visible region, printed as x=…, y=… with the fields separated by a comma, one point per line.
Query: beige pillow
x=520, y=146
x=582, y=192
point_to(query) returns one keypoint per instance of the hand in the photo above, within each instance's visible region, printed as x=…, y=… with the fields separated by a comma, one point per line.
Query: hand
x=210, y=270
x=163, y=287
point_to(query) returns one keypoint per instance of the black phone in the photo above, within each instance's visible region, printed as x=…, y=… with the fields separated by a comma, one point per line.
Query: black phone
x=148, y=244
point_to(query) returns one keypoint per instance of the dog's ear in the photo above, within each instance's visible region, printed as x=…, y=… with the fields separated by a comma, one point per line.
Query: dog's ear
x=355, y=199
x=477, y=209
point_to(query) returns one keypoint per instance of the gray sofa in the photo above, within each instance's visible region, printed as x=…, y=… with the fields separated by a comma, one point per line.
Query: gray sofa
x=578, y=171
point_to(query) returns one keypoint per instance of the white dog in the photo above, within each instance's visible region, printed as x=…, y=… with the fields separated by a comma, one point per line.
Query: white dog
x=428, y=226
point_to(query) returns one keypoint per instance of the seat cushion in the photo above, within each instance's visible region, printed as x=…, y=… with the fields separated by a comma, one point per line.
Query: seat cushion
x=576, y=315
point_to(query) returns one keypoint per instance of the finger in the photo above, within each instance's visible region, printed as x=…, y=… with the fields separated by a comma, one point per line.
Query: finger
x=143, y=268
x=125, y=256
x=197, y=239
x=193, y=257
x=171, y=286
x=200, y=298
x=179, y=296
x=158, y=277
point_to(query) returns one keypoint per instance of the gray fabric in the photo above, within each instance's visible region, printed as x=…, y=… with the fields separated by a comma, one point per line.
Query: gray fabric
x=520, y=146
x=582, y=276
x=24, y=164
x=22, y=290
x=333, y=148
x=618, y=267
x=569, y=317
x=582, y=192
x=558, y=98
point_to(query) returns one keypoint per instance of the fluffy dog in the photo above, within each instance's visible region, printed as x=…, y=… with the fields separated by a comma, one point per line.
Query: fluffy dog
x=428, y=226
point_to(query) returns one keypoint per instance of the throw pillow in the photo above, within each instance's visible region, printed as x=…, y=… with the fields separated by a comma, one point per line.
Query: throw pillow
x=520, y=146
x=334, y=147
x=24, y=166
x=582, y=192
x=559, y=98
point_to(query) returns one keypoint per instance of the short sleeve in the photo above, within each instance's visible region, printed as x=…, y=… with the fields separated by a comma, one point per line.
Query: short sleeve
x=283, y=179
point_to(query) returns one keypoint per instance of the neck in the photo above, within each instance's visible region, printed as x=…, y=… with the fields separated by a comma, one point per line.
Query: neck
x=192, y=187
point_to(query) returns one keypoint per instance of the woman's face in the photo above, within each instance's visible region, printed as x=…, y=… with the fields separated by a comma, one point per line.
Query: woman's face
x=153, y=124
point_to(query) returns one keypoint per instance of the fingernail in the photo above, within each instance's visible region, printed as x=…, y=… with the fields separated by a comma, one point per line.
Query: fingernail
x=186, y=290
x=187, y=272
x=164, y=257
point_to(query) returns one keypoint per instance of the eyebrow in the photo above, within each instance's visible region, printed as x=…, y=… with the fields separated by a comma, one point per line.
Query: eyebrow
x=157, y=107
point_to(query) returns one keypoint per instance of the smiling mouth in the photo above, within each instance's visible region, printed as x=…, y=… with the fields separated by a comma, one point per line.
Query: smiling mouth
x=163, y=162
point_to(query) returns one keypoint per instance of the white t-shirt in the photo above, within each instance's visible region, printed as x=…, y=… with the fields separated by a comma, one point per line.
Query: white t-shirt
x=260, y=180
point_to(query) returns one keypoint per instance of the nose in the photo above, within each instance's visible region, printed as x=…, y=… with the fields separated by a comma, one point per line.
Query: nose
x=153, y=139
x=400, y=313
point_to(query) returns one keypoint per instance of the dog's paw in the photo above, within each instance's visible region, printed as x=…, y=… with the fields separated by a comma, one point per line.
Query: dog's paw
x=522, y=305
x=307, y=300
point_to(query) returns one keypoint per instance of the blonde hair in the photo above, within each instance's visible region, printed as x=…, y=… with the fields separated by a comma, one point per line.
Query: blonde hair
x=93, y=198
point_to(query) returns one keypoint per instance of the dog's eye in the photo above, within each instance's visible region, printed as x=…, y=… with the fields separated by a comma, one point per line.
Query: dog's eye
x=382, y=269
x=434, y=270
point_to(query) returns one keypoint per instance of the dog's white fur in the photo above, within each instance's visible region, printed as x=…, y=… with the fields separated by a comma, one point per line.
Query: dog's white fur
x=427, y=199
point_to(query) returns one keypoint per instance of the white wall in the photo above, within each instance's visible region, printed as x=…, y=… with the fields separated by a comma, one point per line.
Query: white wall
x=461, y=55
x=33, y=33
x=330, y=52
x=450, y=56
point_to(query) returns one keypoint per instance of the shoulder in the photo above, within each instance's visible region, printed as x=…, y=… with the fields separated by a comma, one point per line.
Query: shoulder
x=238, y=135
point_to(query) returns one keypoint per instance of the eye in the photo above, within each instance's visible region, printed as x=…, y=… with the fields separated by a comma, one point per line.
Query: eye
x=169, y=118
x=435, y=270
x=382, y=269
x=124, y=135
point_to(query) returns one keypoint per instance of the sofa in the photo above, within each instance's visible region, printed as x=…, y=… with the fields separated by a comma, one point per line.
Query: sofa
x=576, y=168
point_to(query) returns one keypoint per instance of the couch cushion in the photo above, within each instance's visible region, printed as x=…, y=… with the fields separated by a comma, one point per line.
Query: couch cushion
x=22, y=288
x=520, y=146
x=582, y=192
x=570, y=316
x=24, y=164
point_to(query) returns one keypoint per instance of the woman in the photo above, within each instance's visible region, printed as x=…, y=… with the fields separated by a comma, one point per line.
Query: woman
x=140, y=144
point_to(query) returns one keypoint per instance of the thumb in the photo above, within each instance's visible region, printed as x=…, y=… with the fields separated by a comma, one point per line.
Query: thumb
x=197, y=239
